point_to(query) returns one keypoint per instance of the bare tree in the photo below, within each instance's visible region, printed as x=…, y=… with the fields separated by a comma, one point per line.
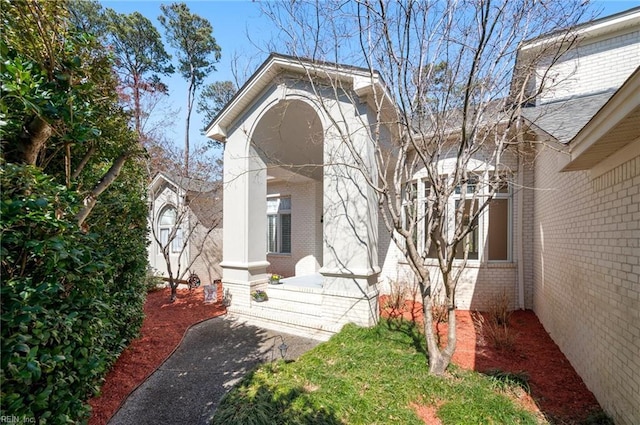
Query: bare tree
x=185, y=219
x=446, y=123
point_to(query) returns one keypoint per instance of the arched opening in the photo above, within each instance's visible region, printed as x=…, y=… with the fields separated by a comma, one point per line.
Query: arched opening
x=288, y=143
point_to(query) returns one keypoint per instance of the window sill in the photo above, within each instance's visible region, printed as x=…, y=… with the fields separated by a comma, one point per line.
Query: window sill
x=473, y=264
x=278, y=255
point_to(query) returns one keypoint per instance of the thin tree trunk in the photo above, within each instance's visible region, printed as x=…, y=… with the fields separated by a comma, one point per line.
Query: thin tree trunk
x=439, y=359
x=187, y=125
x=67, y=164
x=85, y=160
x=103, y=184
x=136, y=105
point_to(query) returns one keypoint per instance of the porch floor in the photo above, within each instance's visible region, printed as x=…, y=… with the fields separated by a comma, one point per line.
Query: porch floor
x=307, y=281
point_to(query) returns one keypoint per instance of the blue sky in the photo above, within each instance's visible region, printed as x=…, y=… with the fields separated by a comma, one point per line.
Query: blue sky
x=241, y=30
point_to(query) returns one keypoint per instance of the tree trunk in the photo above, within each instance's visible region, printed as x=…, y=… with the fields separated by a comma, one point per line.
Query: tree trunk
x=174, y=290
x=190, y=95
x=438, y=359
x=136, y=105
x=36, y=136
x=103, y=184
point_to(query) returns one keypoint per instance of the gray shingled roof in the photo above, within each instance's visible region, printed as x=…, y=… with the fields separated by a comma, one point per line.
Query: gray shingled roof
x=563, y=119
x=193, y=185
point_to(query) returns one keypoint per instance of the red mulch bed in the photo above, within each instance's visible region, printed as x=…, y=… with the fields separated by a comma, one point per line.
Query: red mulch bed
x=163, y=327
x=557, y=391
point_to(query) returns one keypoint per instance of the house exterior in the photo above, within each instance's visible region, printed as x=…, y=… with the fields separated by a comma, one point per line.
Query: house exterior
x=582, y=227
x=563, y=239
x=185, y=219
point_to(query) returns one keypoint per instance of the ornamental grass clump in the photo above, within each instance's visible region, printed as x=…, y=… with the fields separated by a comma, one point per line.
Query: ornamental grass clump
x=493, y=326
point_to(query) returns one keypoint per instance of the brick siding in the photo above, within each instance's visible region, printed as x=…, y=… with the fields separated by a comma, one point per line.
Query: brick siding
x=586, y=276
x=588, y=68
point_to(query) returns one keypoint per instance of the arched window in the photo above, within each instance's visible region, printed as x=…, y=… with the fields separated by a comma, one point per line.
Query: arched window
x=166, y=224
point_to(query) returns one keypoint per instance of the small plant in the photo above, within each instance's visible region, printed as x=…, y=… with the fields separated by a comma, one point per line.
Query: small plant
x=494, y=325
x=499, y=309
x=497, y=335
x=153, y=281
x=259, y=295
x=274, y=279
x=439, y=309
x=397, y=296
x=502, y=378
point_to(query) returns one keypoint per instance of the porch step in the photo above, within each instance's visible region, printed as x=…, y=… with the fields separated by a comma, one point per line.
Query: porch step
x=297, y=303
x=292, y=309
x=287, y=322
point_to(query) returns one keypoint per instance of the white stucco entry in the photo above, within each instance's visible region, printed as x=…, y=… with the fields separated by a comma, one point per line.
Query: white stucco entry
x=280, y=140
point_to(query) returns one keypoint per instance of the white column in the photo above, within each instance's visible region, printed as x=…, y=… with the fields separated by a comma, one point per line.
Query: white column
x=244, y=261
x=350, y=237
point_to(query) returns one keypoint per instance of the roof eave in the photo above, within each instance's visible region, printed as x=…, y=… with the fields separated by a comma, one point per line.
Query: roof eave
x=591, y=145
x=588, y=30
x=361, y=80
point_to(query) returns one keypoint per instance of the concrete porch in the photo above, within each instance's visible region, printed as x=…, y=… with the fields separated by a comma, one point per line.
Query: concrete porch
x=301, y=306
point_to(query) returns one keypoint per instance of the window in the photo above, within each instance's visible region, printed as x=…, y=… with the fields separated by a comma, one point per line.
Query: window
x=491, y=237
x=499, y=219
x=279, y=225
x=166, y=225
x=471, y=239
x=418, y=202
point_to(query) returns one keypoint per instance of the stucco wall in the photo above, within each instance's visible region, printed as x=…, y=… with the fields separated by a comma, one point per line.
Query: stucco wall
x=206, y=251
x=586, y=276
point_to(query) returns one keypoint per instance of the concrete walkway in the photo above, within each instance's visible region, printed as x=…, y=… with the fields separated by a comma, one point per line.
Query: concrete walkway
x=213, y=356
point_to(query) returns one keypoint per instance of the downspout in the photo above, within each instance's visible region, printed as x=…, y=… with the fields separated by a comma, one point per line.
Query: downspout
x=520, y=227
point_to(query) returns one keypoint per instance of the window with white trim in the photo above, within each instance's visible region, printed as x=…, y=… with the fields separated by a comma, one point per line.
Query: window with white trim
x=166, y=224
x=279, y=225
x=491, y=238
x=499, y=228
x=471, y=240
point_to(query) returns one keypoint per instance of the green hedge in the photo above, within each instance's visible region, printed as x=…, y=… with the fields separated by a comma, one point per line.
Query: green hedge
x=70, y=301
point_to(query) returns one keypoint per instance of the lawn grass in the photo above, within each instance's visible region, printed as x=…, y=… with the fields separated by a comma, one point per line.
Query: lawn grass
x=365, y=376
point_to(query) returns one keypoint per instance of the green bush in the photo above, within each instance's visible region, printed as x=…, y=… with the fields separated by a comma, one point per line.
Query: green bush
x=69, y=302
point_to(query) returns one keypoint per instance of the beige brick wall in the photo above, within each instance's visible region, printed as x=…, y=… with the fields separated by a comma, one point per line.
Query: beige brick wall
x=586, y=276
x=479, y=285
x=482, y=282
x=306, y=229
x=587, y=69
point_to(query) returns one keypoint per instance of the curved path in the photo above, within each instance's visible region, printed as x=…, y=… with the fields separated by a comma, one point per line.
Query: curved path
x=212, y=357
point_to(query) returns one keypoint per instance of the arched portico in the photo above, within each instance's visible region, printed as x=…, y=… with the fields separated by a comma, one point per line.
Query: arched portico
x=294, y=206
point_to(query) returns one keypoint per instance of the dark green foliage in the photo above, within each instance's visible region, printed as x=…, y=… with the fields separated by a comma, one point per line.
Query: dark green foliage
x=63, y=320
x=71, y=297
x=213, y=98
x=119, y=220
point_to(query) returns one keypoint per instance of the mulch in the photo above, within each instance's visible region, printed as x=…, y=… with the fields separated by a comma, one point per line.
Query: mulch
x=164, y=325
x=557, y=391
